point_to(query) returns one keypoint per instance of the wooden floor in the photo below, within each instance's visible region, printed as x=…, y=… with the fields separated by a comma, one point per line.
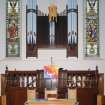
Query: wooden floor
x=52, y=102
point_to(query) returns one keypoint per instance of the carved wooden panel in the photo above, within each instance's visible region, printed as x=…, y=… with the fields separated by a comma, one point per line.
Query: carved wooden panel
x=16, y=96
x=62, y=84
x=87, y=96
x=40, y=86
x=101, y=83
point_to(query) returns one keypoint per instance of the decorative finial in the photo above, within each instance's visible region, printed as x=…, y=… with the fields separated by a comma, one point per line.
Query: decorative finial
x=96, y=67
x=6, y=68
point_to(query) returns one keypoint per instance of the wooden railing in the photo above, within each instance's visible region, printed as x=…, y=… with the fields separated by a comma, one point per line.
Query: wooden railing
x=21, y=78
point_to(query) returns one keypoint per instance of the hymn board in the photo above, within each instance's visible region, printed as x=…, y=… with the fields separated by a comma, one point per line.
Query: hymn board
x=52, y=30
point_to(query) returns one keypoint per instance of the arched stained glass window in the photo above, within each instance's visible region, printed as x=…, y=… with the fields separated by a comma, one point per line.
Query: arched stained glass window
x=12, y=28
x=92, y=28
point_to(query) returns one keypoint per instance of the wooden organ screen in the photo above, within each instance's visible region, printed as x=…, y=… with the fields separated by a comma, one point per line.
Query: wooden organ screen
x=85, y=82
x=19, y=81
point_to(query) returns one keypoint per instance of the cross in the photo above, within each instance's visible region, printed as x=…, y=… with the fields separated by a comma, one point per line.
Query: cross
x=51, y=60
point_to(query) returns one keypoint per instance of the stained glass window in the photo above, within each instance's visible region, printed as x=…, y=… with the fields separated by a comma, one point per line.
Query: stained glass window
x=12, y=28
x=92, y=28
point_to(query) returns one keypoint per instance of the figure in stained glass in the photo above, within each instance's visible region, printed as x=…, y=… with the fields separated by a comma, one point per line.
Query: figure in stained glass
x=92, y=28
x=12, y=30
x=13, y=39
x=91, y=32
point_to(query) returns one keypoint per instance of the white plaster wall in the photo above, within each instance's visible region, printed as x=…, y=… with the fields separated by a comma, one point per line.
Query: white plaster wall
x=2, y=29
x=59, y=55
x=0, y=85
x=102, y=28
x=43, y=6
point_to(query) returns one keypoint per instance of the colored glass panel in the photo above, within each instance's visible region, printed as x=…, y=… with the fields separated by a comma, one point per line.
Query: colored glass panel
x=92, y=28
x=12, y=26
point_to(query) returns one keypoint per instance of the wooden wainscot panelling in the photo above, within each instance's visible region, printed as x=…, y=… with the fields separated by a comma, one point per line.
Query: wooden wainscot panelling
x=100, y=99
x=72, y=95
x=31, y=50
x=101, y=83
x=31, y=94
x=3, y=84
x=87, y=96
x=0, y=100
x=3, y=100
x=16, y=96
x=50, y=94
x=72, y=51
